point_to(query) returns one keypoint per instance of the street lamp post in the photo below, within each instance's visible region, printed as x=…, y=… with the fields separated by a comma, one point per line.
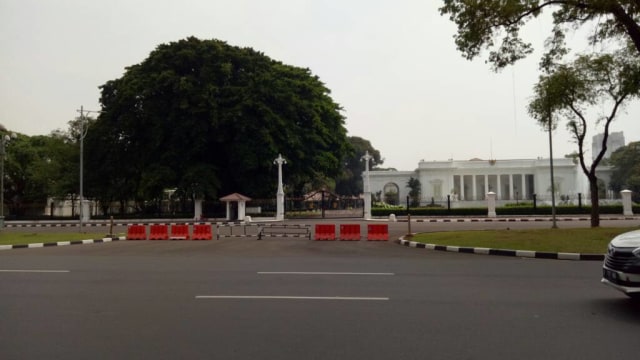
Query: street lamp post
x=4, y=139
x=83, y=132
x=553, y=187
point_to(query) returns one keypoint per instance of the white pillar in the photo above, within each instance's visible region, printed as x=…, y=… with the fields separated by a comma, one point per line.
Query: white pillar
x=86, y=213
x=486, y=184
x=367, y=206
x=491, y=204
x=523, y=190
x=461, y=187
x=228, y=211
x=627, y=209
x=280, y=194
x=197, y=209
x=499, y=187
x=241, y=210
x=475, y=197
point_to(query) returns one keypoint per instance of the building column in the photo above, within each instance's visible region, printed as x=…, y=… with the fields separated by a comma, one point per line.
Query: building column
x=461, y=187
x=499, y=187
x=523, y=189
x=475, y=197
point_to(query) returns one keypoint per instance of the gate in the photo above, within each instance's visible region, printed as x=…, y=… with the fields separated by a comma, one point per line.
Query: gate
x=324, y=205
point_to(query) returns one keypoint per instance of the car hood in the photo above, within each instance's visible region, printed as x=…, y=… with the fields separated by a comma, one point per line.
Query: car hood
x=628, y=239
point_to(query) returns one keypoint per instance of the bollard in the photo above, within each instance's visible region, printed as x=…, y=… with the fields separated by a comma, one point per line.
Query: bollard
x=627, y=208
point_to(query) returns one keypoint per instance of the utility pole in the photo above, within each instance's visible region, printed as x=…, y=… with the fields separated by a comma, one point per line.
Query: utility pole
x=553, y=187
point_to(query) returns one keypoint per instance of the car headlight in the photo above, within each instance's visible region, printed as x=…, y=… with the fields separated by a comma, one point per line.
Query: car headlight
x=610, y=249
x=636, y=252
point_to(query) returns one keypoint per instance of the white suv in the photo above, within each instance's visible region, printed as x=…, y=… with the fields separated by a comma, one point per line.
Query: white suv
x=621, y=268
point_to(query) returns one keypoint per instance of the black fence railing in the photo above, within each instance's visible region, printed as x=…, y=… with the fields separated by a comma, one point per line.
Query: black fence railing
x=330, y=207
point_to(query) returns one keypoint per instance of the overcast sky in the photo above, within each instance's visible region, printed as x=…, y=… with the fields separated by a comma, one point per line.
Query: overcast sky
x=392, y=66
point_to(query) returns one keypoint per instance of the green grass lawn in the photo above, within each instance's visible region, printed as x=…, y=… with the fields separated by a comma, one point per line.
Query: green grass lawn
x=18, y=238
x=584, y=240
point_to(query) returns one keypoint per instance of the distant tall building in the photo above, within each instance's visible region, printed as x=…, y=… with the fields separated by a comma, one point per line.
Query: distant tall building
x=614, y=142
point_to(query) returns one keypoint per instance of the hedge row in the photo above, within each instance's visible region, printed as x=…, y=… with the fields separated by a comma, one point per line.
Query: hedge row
x=504, y=211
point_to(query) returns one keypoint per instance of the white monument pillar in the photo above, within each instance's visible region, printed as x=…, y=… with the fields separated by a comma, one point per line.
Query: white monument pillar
x=85, y=213
x=462, y=187
x=280, y=195
x=491, y=204
x=627, y=209
x=367, y=186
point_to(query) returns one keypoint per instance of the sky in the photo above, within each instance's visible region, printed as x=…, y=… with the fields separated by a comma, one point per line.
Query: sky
x=391, y=65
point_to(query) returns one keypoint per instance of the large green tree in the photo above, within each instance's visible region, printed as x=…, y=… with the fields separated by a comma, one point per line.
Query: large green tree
x=573, y=91
x=626, y=169
x=495, y=25
x=37, y=167
x=350, y=181
x=415, y=191
x=208, y=119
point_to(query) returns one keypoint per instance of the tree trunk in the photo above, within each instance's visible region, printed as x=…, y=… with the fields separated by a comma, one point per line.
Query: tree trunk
x=595, y=204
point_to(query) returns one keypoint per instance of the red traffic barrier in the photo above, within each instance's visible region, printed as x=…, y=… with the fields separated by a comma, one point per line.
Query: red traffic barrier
x=202, y=232
x=158, y=232
x=179, y=232
x=325, y=232
x=350, y=232
x=378, y=232
x=136, y=232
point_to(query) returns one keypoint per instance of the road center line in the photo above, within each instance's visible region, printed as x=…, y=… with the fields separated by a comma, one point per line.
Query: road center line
x=321, y=273
x=34, y=271
x=222, y=297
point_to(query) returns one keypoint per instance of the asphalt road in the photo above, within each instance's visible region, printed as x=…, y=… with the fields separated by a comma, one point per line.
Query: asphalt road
x=298, y=299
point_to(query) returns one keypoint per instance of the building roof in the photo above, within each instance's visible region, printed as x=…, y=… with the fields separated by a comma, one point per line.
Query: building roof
x=235, y=197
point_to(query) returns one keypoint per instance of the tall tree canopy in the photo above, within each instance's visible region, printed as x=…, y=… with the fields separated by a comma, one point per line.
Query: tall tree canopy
x=37, y=167
x=626, y=169
x=495, y=24
x=351, y=182
x=572, y=90
x=208, y=118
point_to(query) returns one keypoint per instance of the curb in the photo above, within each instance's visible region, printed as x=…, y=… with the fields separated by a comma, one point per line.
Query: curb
x=503, y=252
x=520, y=219
x=61, y=243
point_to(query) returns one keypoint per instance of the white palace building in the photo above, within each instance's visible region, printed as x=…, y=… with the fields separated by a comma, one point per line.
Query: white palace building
x=466, y=183
x=469, y=181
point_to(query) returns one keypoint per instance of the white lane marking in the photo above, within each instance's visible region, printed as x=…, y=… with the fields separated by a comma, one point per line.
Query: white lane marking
x=320, y=273
x=237, y=297
x=35, y=271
